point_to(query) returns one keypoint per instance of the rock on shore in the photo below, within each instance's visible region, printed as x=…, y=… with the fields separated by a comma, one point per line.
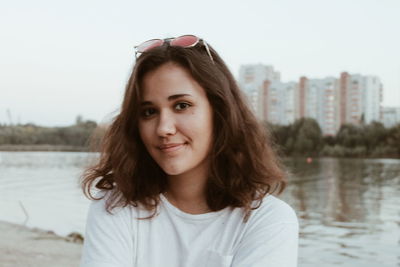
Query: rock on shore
x=24, y=247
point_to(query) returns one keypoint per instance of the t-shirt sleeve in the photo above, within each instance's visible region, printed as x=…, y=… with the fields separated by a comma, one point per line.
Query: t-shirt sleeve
x=271, y=239
x=108, y=238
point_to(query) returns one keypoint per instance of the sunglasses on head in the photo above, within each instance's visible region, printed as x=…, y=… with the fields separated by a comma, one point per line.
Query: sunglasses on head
x=185, y=41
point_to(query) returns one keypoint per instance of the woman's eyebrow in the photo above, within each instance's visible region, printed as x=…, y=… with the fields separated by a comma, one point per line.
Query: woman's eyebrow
x=170, y=98
x=173, y=97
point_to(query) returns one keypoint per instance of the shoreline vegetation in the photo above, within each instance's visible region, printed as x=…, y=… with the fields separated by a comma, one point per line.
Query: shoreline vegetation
x=21, y=246
x=43, y=147
x=83, y=136
x=302, y=138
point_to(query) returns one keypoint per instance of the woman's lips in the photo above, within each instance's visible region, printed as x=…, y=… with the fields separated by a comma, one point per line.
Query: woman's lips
x=171, y=147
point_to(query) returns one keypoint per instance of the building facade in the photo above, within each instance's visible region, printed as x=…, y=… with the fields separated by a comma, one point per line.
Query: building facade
x=360, y=99
x=331, y=101
x=279, y=102
x=390, y=116
x=251, y=80
x=321, y=103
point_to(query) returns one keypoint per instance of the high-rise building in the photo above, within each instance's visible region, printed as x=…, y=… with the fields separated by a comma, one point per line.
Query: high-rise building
x=390, y=116
x=341, y=98
x=320, y=103
x=359, y=99
x=279, y=102
x=316, y=98
x=251, y=81
x=373, y=96
x=300, y=98
x=332, y=102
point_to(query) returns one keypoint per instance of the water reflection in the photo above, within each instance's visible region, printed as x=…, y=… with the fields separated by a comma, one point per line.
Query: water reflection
x=42, y=190
x=348, y=208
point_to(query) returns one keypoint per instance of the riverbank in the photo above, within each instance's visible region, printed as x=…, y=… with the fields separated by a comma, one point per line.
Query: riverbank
x=63, y=148
x=29, y=148
x=24, y=247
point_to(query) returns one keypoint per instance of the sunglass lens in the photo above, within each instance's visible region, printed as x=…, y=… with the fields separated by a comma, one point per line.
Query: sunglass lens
x=149, y=45
x=185, y=41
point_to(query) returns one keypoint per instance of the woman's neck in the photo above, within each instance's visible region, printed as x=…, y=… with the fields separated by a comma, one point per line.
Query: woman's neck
x=187, y=192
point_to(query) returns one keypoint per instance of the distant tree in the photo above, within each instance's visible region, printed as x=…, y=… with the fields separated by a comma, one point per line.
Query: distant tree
x=329, y=140
x=30, y=134
x=350, y=135
x=303, y=137
x=393, y=138
x=279, y=135
x=307, y=136
x=375, y=135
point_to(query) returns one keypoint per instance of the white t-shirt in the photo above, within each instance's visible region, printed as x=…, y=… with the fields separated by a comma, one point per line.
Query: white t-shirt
x=177, y=239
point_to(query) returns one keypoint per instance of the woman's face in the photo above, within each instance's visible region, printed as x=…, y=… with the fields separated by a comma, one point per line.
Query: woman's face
x=175, y=122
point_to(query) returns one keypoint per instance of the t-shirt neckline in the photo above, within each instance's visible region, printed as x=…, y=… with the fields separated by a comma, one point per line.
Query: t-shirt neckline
x=180, y=213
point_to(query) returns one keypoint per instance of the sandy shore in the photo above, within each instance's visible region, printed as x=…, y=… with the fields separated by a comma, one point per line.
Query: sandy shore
x=24, y=247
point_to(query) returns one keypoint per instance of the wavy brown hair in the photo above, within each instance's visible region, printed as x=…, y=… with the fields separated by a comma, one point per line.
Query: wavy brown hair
x=244, y=166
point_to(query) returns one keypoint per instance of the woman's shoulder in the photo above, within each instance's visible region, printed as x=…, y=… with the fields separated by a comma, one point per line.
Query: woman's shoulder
x=103, y=205
x=103, y=200
x=274, y=210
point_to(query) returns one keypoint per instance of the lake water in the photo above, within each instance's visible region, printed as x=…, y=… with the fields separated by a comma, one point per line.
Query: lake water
x=348, y=208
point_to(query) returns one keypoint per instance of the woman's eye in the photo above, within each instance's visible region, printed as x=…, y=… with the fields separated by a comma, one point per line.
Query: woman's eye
x=148, y=112
x=182, y=106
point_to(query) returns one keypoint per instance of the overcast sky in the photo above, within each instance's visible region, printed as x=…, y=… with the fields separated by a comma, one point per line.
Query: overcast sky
x=59, y=59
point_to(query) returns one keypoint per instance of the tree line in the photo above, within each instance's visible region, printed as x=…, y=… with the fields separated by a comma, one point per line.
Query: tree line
x=77, y=137
x=304, y=138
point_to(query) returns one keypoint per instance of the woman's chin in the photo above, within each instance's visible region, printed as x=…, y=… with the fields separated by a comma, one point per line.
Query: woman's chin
x=172, y=172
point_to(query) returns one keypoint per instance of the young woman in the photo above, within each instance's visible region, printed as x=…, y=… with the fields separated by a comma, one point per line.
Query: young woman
x=186, y=173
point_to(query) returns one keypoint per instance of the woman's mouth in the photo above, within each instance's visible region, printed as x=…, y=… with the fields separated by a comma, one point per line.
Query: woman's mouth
x=171, y=147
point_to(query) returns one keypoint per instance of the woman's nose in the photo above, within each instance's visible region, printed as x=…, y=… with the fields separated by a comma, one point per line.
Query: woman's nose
x=166, y=125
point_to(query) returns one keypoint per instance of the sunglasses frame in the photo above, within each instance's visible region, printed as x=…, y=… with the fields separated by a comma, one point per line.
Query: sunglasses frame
x=169, y=40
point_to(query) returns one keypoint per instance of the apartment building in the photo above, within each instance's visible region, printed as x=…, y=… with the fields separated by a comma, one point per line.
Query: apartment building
x=359, y=99
x=331, y=101
x=251, y=81
x=321, y=104
x=279, y=105
x=390, y=116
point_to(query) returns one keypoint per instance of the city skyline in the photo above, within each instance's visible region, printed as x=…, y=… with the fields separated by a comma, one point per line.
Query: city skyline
x=348, y=98
x=17, y=120
x=63, y=59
